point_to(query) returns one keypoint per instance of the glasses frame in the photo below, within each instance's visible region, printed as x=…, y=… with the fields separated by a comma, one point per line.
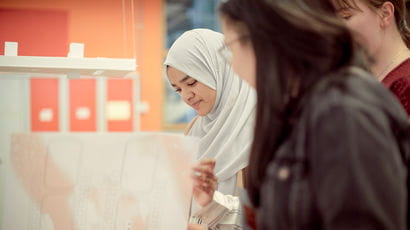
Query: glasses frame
x=226, y=52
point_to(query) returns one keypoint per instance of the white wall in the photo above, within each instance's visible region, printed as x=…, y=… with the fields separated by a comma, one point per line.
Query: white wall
x=14, y=117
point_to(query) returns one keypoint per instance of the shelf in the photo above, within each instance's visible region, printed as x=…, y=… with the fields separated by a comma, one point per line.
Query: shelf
x=72, y=67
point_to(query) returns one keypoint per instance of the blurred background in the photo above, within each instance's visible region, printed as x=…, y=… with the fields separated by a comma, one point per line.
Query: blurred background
x=138, y=30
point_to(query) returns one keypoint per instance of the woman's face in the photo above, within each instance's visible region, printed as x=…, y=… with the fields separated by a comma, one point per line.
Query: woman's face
x=365, y=23
x=195, y=94
x=243, y=57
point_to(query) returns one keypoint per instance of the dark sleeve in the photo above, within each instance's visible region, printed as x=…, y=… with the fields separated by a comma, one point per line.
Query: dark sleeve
x=358, y=177
x=401, y=88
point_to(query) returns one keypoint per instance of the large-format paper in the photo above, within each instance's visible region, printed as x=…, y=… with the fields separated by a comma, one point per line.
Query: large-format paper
x=98, y=181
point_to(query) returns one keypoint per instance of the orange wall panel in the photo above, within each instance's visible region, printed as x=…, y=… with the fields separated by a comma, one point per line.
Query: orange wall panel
x=82, y=97
x=119, y=100
x=38, y=32
x=44, y=104
x=150, y=58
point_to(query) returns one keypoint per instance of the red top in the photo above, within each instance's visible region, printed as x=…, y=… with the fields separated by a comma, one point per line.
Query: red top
x=250, y=217
x=398, y=81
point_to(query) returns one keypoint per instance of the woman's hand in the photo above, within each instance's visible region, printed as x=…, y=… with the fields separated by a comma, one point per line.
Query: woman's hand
x=205, y=181
x=195, y=227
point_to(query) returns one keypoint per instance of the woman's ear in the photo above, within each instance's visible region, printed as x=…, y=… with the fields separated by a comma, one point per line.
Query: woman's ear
x=387, y=14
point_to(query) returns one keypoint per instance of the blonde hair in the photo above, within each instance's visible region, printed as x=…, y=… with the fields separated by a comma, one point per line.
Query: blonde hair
x=400, y=13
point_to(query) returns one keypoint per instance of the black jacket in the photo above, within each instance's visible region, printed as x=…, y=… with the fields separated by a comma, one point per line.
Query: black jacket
x=345, y=163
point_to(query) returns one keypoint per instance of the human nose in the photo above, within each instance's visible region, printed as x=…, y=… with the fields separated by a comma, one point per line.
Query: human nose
x=187, y=95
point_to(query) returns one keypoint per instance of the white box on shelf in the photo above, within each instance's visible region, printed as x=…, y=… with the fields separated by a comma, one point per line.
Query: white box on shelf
x=76, y=50
x=11, y=48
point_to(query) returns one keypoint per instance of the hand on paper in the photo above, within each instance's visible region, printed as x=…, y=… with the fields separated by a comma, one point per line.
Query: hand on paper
x=195, y=227
x=205, y=181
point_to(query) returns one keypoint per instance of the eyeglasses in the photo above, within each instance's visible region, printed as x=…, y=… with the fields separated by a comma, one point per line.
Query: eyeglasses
x=225, y=52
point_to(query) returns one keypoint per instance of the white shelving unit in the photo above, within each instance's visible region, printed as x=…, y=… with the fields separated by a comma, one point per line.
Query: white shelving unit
x=70, y=66
x=16, y=72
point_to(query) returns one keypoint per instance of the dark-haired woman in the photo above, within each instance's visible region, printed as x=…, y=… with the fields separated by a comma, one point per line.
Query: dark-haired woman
x=331, y=144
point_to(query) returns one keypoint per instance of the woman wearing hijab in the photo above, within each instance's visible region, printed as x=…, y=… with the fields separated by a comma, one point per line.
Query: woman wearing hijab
x=225, y=105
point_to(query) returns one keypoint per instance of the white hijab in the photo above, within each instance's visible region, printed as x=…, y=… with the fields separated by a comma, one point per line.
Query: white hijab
x=226, y=132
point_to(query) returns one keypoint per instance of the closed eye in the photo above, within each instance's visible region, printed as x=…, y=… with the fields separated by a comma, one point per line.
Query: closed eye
x=345, y=14
x=192, y=83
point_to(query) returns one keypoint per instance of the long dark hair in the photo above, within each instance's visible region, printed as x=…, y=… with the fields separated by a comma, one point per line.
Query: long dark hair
x=296, y=44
